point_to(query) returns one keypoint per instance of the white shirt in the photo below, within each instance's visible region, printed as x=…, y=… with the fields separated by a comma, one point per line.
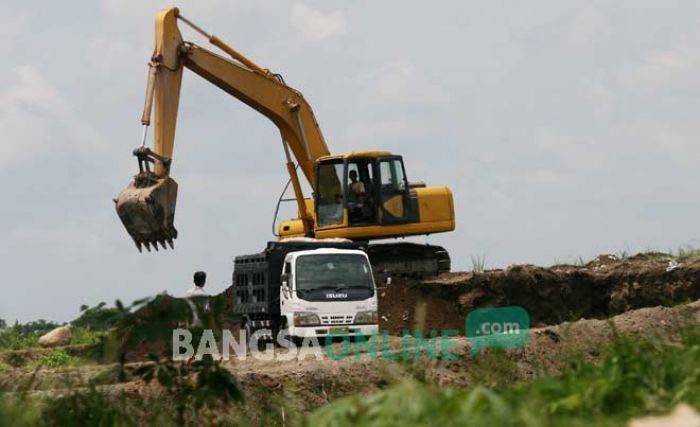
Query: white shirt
x=196, y=291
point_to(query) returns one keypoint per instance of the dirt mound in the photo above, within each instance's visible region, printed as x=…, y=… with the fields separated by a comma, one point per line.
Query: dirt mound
x=602, y=288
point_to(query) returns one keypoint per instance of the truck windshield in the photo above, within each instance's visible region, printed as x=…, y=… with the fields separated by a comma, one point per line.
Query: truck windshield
x=333, y=271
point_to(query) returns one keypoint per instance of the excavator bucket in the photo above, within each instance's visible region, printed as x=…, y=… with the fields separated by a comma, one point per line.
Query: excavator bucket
x=147, y=209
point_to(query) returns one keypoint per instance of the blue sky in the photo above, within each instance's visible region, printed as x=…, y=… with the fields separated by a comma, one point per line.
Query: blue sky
x=565, y=129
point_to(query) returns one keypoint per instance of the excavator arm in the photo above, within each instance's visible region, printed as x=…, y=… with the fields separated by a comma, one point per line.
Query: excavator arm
x=147, y=206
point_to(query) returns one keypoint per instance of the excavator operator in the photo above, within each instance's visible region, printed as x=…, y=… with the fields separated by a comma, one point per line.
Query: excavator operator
x=359, y=205
x=357, y=187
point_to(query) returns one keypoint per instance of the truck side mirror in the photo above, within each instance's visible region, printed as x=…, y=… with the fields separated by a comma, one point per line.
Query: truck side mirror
x=284, y=284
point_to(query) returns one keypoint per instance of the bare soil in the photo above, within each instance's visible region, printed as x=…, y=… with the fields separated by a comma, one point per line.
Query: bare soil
x=600, y=289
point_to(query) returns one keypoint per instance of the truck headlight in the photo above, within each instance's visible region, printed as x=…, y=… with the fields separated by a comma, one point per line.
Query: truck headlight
x=368, y=317
x=304, y=318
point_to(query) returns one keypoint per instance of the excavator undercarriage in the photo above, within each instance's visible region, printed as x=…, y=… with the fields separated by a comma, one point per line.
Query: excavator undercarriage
x=408, y=259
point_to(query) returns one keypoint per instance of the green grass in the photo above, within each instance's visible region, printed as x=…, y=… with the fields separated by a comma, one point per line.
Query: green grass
x=54, y=359
x=637, y=378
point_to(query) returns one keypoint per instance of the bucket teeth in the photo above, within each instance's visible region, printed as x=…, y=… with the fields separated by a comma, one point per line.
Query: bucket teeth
x=147, y=245
x=170, y=243
x=162, y=243
x=138, y=246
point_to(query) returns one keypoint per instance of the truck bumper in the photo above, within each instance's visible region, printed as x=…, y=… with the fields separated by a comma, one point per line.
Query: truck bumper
x=323, y=331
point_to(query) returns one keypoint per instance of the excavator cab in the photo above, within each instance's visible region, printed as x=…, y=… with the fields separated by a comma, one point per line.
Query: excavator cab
x=362, y=190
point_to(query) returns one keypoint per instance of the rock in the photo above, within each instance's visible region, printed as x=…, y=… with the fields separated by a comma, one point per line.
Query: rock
x=682, y=416
x=57, y=337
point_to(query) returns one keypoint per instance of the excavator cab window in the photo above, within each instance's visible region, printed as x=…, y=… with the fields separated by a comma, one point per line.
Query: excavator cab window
x=393, y=191
x=362, y=208
x=330, y=200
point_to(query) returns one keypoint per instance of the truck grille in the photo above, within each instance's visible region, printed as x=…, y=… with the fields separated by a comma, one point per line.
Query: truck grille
x=340, y=319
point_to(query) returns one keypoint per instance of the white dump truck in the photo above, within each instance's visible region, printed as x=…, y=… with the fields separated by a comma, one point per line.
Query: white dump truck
x=311, y=288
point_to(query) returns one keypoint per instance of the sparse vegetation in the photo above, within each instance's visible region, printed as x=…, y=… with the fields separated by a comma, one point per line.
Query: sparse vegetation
x=638, y=377
x=20, y=336
x=87, y=336
x=17, y=337
x=688, y=253
x=478, y=263
x=54, y=359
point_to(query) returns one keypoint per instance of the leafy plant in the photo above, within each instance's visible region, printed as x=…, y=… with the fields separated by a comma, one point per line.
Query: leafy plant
x=55, y=359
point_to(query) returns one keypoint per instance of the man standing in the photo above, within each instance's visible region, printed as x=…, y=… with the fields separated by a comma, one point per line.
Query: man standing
x=197, y=298
x=200, y=278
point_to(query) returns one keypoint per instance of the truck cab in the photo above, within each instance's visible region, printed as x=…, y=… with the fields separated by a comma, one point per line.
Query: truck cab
x=328, y=291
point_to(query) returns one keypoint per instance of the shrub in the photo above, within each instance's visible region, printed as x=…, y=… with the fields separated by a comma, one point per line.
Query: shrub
x=54, y=359
x=87, y=336
x=99, y=317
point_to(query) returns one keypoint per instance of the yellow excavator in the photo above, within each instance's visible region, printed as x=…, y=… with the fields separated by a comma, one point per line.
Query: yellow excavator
x=361, y=196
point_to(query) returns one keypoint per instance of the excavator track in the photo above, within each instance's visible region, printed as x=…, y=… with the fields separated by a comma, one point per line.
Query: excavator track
x=408, y=259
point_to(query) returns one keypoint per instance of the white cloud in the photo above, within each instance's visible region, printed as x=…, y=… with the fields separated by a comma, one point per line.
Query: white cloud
x=588, y=25
x=14, y=22
x=33, y=116
x=600, y=97
x=315, y=25
x=663, y=67
x=669, y=139
x=382, y=130
x=402, y=82
x=567, y=152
